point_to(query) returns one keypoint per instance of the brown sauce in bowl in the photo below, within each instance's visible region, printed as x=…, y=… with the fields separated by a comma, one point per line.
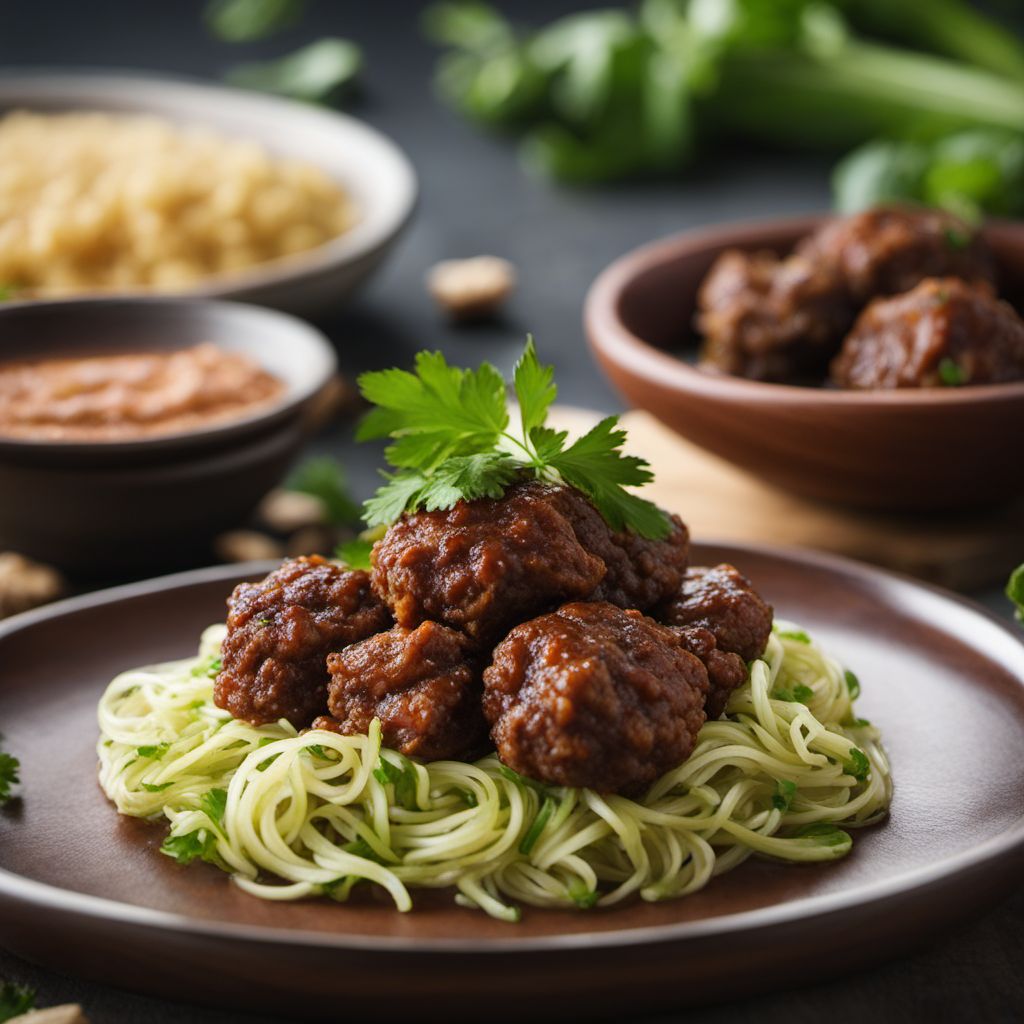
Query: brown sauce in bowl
x=130, y=396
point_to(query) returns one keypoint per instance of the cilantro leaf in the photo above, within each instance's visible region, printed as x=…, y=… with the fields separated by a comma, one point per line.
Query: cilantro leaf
x=852, y=684
x=402, y=778
x=800, y=694
x=209, y=668
x=198, y=845
x=535, y=388
x=15, y=1000
x=1015, y=590
x=214, y=802
x=153, y=788
x=469, y=477
x=794, y=634
x=355, y=553
x=399, y=493
x=155, y=751
x=822, y=833
x=9, y=766
x=858, y=766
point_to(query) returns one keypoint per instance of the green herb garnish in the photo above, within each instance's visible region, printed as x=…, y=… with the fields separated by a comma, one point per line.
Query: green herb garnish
x=852, y=684
x=213, y=803
x=858, y=766
x=800, y=694
x=951, y=375
x=324, y=478
x=402, y=778
x=244, y=21
x=783, y=796
x=314, y=74
x=821, y=833
x=355, y=553
x=361, y=848
x=154, y=752
x=150, y=787
x=794, y=634
x=15, y=1000
x=209, y=668
x=451, y=441
x=1015, y=591
x=198, y=845
x=9, y=767
x=583, y=897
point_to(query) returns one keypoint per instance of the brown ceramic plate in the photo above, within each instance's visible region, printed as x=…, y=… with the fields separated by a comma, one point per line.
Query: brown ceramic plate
x=87, y=892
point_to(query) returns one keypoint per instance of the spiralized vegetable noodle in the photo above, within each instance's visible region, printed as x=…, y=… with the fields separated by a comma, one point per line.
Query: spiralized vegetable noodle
x=299, y=815
x=98, y=202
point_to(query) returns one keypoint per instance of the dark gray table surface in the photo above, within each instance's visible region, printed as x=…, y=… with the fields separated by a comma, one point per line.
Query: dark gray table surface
x=475, y=199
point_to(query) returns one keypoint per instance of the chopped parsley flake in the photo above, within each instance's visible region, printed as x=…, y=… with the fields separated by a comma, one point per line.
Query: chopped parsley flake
x=951, y=375
x=784, y=793
x=794, y=634
x=852, y=684
x=155, y=752
x=150, y=787
x=9, y=766
x=858, y=766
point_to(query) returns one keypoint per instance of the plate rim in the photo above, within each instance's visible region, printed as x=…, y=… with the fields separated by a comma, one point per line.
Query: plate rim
x=992, y=851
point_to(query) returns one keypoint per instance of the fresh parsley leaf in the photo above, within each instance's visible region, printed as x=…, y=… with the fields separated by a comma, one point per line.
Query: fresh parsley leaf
x=9, y=766
x=800, y=694
x=468, y=477
x=595, y=465
x=151, y=788
x=15, y=1000
x=209, y=668
x=361, y=848
x=402, y=778
x=521, y=780
x=469, y=796
x=824, y=834
x=951, y=374
x=314, y=74
x=784, y=793
x=198, y=845
x=852, y=684
x=858, y=766
x=324, y=478
x=535, y=388
x=155, y=752
x=583, y=897
x=355, y=553
x=533, y=833
x=243, y=21
x=1015, y=590
x=393, y=498
x=794, y=634
x=214, y=802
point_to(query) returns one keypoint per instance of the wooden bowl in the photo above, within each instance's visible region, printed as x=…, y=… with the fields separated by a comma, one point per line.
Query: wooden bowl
x=927, y=449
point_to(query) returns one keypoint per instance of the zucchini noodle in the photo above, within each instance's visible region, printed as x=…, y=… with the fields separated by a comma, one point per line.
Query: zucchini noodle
x=293, y=815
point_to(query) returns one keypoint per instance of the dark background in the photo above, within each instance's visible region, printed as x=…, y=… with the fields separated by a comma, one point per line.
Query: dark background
x=475, y=199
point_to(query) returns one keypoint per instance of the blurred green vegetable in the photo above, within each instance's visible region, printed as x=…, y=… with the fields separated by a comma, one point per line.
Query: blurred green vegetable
x=1015, y=591
x=612, y=93
x=969, y=173
x=316, y=73
x=243, y=21
x=324, y=478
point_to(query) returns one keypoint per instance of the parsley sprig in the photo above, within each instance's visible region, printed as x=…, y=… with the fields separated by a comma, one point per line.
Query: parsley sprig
x=452, y=439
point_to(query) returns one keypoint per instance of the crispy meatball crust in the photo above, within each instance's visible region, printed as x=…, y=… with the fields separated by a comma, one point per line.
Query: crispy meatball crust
x=484, y=565
x=424, y=686
x=638, y=572
x=280, y=632
x=592, y=695
x=771, y=319
x=726, y=671
x=889, y=249
x=903, y=342
x=722, y=600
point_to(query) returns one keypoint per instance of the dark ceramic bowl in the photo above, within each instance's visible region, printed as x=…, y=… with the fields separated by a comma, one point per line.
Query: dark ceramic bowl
x=111, y=508
x=924, y=449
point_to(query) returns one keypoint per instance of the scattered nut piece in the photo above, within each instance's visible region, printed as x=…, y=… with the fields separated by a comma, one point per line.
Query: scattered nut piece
x=285, y=511
x=68, y=1013
x=246, y=546
x=26, y=584
x=311, y=540
x=471, y=289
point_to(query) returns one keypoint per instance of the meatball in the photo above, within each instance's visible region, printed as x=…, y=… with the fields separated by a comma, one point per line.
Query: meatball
x=483, y=566
x=638, y=572
x=726, y=671
x=423, y=684
x=723, y=601
x=280, y=632
x=771, y=319
x=889, y=249
x=944, y=331
x=592, y=695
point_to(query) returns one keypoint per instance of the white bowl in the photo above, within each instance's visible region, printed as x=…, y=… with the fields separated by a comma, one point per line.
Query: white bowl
x=371, y=168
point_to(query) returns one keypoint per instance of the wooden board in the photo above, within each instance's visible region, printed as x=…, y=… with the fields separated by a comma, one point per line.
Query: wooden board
x=722, y=503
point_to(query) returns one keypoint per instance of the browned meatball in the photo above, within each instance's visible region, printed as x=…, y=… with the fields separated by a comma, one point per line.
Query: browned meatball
x=423, y=684
x=722, y=600
x=944, y=331
x=485, y=565
x=639, y=572
x=726, y=670
x=771, y=319
x=595, y=696
x=889, y=249
x=280, y=632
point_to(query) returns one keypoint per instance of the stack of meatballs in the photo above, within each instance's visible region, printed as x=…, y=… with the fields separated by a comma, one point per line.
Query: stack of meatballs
x=584, y=656
x=895, y=297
